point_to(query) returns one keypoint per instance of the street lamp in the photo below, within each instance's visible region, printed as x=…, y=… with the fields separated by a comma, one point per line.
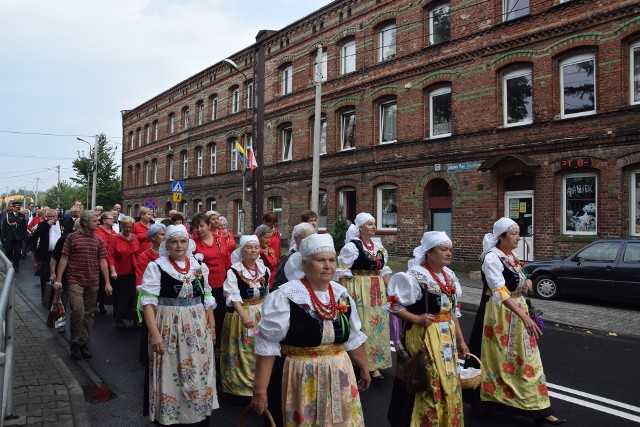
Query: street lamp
x=94, y=168
x=234, y=66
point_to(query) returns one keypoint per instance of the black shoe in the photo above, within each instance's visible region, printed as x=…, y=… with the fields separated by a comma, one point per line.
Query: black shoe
x=556, y=422
x=75, y=352
x=85, y=351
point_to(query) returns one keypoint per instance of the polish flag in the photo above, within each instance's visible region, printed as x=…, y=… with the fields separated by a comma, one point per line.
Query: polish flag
x=252, y=159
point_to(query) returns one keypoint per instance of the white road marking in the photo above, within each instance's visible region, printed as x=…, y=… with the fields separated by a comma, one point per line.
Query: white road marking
x=595, y=406
x=594, y=397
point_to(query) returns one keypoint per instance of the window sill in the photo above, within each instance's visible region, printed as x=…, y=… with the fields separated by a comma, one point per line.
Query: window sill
x=576, y=116
x=513, y=126
x=435, y=138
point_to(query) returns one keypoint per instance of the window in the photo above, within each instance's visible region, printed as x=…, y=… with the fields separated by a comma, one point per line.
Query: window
x=287, y=79
x=513, y=9
x=348, y=130
x=214, y=107
x=286, y=135
x=250, y=94
x=172, y=123
x=239, y=223
x=517, y=98
x=148, y=133
x=275, y=203
x=185, y=165
x=154, y=168
x=323, y=134
x=600, y=252
x=138, y=176
x=185, y=208
x=170, y=168
x=322, y=210
x=439, y=24
x=440, y=113
x=212, y=159
x=155, y=130
x=235, y=100
x=200, y=112
x=635, y=203
x=632, y=253
x=580, y=204
x=348, y=57
x=233, y=150
x=197, y=206
x=185, y=117
x=387, y=207
x=213, y=205
x=139, y=137
x=322, y=67
x=578, y=86
x=388, y=129
x=147, y=173
x=199, y=161
x=132, y=140
x=387, y=43
x=635, y=73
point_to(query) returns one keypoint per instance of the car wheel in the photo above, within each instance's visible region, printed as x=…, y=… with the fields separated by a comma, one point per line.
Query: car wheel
x=546, y=287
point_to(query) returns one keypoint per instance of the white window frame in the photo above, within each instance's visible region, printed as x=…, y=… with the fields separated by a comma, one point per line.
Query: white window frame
x=347, y=59
x=382, y=109
x=185, y=118
x=185, y=208
x=214, y=108
x=564, y=204
x=139, y=137
x=431, y=28
x=343, y=117
x=513, y=75
x=634, y=78
x=433, y=94
x=155, y=171
x=634, y=204
x=250, y=95
x=170, y=161
x=276, y=210
x=233, y=151
x=148, y=129
x=147, y=173
x=185, y=165
x=505, y=9
x=380, y=206
x=387, y=39
x=132, y=140
x=200, y=108
x=286, y=155
x=172, y=123
x=320, y=195
x=287, y=80
x=572, y=61
x=213, y=159
x=323, y=134
x=199, y=161
x=235, y=100
x=155, y=130
x=198, y=206
x=213, y=204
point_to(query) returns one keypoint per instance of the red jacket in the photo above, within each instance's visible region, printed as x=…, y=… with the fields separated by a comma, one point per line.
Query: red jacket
x=274, y=243
x=217, y=258
x=140, y=232
x=144, y=259
x=123, y=254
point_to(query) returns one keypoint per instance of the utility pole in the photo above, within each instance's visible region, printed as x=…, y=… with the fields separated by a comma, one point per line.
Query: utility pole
x=37, y=179
x=315, y=174
x=95, y=173
x=58, y=192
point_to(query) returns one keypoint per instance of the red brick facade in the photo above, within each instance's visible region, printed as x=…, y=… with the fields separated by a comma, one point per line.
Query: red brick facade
x=482, y=49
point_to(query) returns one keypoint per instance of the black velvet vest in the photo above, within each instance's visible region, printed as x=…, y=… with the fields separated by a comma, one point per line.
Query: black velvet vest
x=365, y=260
x=171, y=287
x=305, y=330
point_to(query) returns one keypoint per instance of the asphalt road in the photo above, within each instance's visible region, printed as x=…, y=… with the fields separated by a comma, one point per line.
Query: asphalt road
x=593, y=379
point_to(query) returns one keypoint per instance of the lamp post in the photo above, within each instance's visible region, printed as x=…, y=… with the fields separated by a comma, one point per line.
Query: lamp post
x=234, y=66
x=94, y=167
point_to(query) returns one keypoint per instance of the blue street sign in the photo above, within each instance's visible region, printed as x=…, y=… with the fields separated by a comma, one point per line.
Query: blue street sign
x=177, y=186
x=150, y=202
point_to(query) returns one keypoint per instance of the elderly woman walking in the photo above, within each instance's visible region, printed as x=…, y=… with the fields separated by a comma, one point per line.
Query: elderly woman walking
x=363, y=271
x=178, y=310
x=123, y=249
x=308, y=337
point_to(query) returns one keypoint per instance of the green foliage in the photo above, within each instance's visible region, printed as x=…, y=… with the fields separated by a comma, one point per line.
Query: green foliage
x=65, y=194
x=108, y=190
x=339, y=232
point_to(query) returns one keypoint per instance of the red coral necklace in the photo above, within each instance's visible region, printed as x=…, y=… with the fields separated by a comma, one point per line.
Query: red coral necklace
x=513, y=263
x=254, y=273
x=325, y=311
x=185, y=270
x=445, y=287
x=368, y=246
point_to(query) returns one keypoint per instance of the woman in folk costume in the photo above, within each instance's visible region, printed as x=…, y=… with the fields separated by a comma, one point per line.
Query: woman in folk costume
x=426, y=296
x=362, y=270
x=178, y=310
x=505, y=335
x=308, y=337
x=245, y=288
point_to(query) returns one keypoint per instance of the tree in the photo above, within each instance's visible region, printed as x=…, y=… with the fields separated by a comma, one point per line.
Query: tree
x=108, y=182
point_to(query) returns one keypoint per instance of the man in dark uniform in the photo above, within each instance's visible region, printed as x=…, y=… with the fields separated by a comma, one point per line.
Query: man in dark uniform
x=14, y=231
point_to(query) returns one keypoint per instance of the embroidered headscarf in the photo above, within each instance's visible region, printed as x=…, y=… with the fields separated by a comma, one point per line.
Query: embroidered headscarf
x=244, y=241
x=174, y=231
x=354, y=229
x=491, y=239
x=316, y=243
x=429, y=240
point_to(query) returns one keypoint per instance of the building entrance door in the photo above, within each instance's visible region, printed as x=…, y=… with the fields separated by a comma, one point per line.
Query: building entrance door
x=519, y=207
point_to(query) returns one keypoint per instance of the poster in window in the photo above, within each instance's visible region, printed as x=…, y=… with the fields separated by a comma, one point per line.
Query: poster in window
x=389, y=207
x=581, y=208
x=636, y=208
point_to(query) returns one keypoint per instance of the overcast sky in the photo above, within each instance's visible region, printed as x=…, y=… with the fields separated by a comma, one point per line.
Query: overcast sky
x=69, y=67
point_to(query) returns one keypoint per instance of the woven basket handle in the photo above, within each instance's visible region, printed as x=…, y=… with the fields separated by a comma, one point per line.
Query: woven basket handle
x=479, y=361
x=266, y=414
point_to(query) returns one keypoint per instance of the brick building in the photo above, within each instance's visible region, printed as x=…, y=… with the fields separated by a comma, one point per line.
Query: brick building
x=435, y=115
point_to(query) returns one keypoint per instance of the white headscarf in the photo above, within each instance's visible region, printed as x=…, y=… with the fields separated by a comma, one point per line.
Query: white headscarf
x=309, y=246
x=173, y=231
x=354, y=229
x=491, y=239
x=429, y=240
x=244, y=241
x=298, y=230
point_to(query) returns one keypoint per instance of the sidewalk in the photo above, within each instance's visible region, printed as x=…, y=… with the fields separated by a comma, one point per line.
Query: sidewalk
x=45, y=392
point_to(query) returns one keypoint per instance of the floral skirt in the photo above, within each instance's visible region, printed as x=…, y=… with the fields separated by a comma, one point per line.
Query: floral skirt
x=513, y=373
x=370, y=296
x=440, y=405
x=182, y=381
x=321, y=392
x=237, y=356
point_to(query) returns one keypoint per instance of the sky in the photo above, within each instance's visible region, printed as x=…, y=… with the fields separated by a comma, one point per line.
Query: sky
x=69, y=67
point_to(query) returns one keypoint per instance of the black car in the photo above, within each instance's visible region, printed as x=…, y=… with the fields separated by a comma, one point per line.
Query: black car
x=607, y=268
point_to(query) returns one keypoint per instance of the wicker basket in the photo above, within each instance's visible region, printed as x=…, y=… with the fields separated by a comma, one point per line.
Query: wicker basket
x=266, y=414
x=474, y=381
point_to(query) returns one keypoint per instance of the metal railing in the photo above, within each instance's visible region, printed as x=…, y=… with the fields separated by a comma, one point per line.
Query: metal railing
x=7, y=334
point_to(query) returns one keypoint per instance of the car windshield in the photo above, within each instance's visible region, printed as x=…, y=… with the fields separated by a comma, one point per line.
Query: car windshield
x=600, y=252
x=632, y=253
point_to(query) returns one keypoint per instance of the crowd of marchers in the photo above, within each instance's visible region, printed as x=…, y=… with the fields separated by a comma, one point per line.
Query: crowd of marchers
x=301, y=334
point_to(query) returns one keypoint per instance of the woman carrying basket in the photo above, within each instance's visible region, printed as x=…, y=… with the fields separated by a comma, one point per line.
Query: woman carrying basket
x=505, y=335
x=426, y=297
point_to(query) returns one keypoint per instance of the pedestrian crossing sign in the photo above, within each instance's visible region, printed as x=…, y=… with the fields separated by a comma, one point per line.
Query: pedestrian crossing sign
x=177, y=186
x=177, y=197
